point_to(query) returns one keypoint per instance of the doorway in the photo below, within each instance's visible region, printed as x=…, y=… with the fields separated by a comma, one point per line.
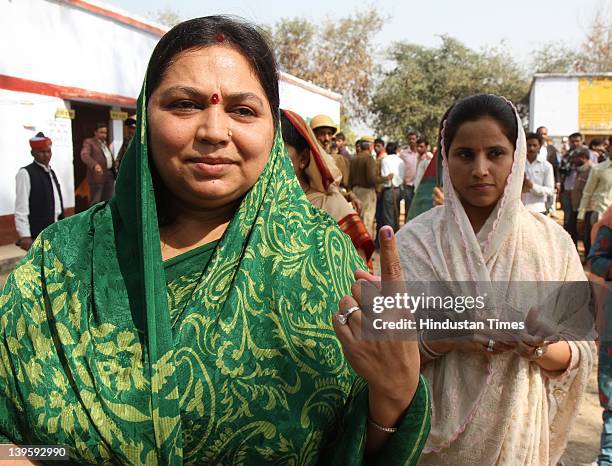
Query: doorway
x=86, y=116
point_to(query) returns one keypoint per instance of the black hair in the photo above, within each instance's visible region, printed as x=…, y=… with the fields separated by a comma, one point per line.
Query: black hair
x=340, y=135
x=411, y=132
x=576, y=135
x=582, y=152
x=537, y=136
x=379, y=141
x=473, y=108
x=539, y=128
x=100, y=125
x=291, y=135
x=422, y=141
x=595, y=142
x=391, y=147
x=203, y=32
x=217, y=30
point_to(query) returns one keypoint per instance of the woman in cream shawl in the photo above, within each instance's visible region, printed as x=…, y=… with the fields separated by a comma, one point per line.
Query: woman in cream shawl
x=510, y=404
x=319, y=177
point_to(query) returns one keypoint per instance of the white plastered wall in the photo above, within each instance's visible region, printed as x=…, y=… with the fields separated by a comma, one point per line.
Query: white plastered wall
x=56, y=43
x=554, y=104
x=307, y=103
x=22, y=115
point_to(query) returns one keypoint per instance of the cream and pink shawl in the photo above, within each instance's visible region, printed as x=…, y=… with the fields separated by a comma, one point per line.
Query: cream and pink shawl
x=503, y=409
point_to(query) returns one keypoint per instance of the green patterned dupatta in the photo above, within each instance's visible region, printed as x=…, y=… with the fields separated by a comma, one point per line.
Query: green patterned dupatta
x=271, y=237
x=248, y=371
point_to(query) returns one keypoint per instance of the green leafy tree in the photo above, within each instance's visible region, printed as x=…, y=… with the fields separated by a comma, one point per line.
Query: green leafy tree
x=424, y=81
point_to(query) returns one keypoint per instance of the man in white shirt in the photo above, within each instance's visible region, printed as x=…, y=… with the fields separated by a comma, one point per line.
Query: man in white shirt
x=393, y=165
x=423, y=159
x=539, y=182
x=549, y=152
x=38, y=200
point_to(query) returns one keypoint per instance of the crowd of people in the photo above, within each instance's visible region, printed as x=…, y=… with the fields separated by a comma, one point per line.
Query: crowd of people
x=580, y=177
x=212, y=310
x=377, y=177
x=576, y=177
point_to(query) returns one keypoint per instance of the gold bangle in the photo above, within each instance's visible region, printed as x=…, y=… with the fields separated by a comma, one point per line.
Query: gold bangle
x=388, y=430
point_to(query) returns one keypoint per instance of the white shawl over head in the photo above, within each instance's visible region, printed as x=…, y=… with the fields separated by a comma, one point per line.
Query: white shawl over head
x=498, y=409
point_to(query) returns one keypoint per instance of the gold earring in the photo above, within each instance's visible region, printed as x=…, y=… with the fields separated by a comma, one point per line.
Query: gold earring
x=229, y=133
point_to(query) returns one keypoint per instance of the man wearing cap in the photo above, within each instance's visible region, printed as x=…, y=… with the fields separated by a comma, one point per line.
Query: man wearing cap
x=130, y=125
x=100, y=163
x=38, y=200
x=324, y=129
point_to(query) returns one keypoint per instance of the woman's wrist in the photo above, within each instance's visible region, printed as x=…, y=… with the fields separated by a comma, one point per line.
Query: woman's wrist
x=433, y=349
x=385, y=414
x=439, y=347
x=557, y=357
x=387, y=408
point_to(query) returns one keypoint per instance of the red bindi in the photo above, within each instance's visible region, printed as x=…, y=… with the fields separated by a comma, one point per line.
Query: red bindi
x=214, y=99
x=219, y=37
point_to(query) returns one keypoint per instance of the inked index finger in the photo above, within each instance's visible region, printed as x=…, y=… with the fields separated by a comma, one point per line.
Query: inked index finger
x=390, y=268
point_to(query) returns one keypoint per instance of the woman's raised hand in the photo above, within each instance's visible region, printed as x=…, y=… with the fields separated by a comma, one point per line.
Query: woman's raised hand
x=390, y=364
x=437, y=196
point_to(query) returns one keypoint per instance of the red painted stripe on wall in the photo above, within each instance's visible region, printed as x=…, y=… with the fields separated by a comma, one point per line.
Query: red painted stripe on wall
x=12, y=83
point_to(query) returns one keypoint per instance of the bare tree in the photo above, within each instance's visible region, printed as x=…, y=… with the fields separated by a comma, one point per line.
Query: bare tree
x=597, y=46
x=593, y=55
x=167, y=17
x=337, y=55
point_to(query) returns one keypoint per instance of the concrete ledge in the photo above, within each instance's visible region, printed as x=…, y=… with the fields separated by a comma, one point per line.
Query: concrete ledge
x=10, y=255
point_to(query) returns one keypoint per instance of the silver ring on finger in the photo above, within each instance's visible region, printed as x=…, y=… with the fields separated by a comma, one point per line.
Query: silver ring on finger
x=538, y=352
x=343, y=318
x=490, y=345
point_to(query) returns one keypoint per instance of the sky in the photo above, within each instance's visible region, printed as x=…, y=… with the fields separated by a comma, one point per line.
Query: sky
x=522, y=24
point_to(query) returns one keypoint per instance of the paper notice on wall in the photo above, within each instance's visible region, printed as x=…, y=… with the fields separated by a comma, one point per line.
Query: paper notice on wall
x=595, y=105
x=60, y=132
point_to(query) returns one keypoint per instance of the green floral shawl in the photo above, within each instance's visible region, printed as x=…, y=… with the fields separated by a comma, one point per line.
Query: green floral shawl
x=247, y=370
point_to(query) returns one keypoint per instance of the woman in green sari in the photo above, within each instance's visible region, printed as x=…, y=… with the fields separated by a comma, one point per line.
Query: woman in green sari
x=192, y=319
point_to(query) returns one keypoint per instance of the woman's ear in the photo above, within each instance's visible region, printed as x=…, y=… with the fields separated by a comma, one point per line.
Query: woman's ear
x=304, y=158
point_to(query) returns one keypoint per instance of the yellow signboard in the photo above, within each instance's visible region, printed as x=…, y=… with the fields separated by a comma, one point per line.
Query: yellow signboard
x=64, y=113
x=118, y=115
x=595, y=105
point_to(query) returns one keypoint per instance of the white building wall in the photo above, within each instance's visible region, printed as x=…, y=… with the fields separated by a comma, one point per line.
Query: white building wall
x=308, y=103
x=22, y=115
x=554, y=104
x=56, y=43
